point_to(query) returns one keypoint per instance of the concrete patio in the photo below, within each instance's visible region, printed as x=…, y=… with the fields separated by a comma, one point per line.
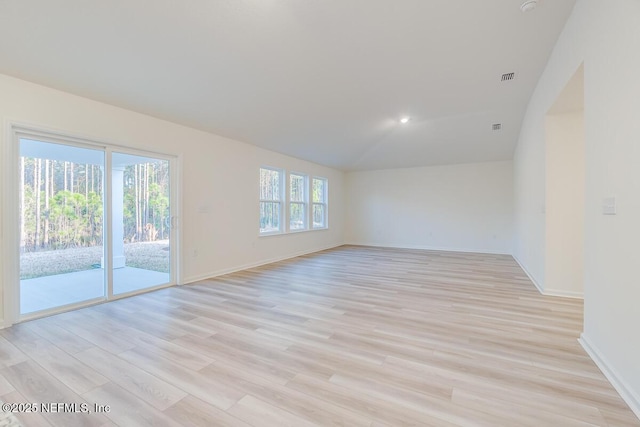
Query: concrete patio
x=63, y=289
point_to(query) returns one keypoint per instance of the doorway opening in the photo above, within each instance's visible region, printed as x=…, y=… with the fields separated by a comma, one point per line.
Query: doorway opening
x=565, y=191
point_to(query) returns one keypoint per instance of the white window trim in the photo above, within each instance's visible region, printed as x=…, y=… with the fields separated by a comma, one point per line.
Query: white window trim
x=305, y=202
x=282, y=227
x=285, y=203
x=325, y=203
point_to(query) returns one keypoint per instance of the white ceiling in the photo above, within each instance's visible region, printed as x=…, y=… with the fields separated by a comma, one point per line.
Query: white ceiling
x=322, y=80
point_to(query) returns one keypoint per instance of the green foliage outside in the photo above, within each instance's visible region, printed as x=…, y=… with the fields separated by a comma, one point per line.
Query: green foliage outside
x=62, y=204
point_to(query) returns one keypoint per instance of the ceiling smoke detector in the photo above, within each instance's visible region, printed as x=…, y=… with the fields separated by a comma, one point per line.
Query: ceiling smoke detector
x=528, y=5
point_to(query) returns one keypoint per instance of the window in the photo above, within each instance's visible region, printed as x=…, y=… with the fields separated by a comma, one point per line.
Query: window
x=291, y=202
x=297, y=202
x=270, y=200
x=319, y=190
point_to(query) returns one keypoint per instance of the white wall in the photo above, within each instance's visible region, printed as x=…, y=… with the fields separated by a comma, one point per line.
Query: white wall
x=606, y=37
x=219, y=176
x=460, y=207
x=565, y=188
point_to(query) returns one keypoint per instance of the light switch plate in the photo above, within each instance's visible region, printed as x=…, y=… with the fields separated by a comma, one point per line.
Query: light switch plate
x=609, y=206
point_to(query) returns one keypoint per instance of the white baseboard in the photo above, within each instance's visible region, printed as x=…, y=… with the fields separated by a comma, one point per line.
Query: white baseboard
x=565, y=294
x=217, y=273
x=627, y=393
x=430, y=248
x=2, y=324
x=548, y=292
x=529, y=275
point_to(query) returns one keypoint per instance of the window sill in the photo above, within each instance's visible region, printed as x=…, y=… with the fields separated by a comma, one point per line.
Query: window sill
x=284, y=233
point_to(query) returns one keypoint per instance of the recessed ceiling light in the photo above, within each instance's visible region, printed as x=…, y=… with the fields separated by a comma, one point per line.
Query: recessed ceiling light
x=528, y=5
x=404, y=120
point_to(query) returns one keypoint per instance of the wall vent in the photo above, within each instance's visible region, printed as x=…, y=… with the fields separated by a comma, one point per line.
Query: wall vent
x=508, y=76
x=496, y=126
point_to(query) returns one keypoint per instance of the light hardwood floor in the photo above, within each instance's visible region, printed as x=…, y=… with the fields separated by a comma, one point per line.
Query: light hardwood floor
x=353, y=336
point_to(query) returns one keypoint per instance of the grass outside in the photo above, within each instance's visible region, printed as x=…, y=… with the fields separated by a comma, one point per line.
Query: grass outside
x=148, y=255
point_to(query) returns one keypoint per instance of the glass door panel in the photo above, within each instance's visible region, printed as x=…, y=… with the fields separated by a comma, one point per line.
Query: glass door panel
x=61, y=208
x=141, y=218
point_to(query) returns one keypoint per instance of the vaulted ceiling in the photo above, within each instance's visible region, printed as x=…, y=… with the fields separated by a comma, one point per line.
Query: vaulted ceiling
x=322, y=80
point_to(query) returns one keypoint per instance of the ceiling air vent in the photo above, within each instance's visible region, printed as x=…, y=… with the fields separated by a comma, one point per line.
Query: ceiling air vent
x=508, y=76
x=496, y=126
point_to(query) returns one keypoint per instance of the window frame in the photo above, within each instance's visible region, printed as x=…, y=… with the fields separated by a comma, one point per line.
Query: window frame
x=9, y=196
x=325, y=203
x=280, y=202
x=304, y=202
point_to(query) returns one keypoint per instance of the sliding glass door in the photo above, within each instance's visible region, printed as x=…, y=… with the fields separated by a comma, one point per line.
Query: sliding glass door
x=93, y=224
x=141, y=218
x=61, y=225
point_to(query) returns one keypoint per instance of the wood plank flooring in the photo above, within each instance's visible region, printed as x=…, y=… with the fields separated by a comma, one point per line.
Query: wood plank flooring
x=353, y=336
